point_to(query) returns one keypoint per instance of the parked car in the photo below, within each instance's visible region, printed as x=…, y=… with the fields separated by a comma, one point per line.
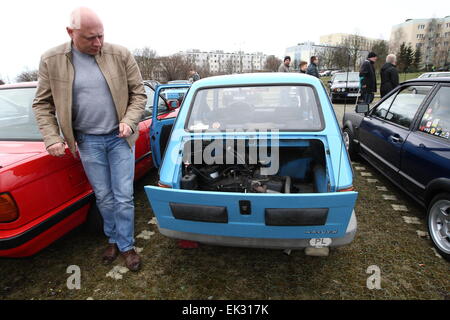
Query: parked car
x=434, y=75
x=336, y=71
x=406, y=137
x=344, y=87
x=43, y=197
x=179, y=82
x=325, y=73
x=297, y=194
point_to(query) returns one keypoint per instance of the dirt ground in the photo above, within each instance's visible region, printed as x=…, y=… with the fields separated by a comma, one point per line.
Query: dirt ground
x=409, y=267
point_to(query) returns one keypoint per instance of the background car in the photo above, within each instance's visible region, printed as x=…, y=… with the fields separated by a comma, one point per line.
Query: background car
x=406, y=137
x=44, y=197
x=307, y=197
x=434, y=75
x=344, y=86
x=179, y=82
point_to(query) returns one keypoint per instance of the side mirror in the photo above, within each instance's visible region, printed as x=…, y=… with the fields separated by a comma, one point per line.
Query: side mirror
x=173, y=104
x=362, y=108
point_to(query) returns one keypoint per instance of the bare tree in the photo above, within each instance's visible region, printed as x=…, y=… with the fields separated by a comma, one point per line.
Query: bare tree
x=27, y=75
x=272, y=63
x=354, y=45
x=396, y=40
x=381, y=48
x=430, y=47
x=176, y=67
x=147, y=61
x=229, y=66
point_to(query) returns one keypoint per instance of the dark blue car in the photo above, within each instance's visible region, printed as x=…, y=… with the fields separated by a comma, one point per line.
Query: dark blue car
x=406, y=137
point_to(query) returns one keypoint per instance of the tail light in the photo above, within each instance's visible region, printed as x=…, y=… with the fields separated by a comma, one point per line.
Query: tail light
x=162, y=185
x=8, y=208
x=351, y=188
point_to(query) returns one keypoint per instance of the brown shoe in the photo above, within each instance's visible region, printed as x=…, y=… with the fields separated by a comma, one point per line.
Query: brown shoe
x=132, y=260
x=110, y=254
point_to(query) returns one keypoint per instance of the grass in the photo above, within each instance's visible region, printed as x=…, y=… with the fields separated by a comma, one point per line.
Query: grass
x=409, y=268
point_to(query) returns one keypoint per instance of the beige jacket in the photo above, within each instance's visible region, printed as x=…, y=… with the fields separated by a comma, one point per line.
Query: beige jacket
x=52, y=104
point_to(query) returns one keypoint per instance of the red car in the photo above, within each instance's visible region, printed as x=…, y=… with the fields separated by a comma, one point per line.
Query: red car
x=43, y=197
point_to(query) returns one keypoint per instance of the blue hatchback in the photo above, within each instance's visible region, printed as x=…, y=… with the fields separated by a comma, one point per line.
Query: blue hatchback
x=406, y=137
x=255, y=160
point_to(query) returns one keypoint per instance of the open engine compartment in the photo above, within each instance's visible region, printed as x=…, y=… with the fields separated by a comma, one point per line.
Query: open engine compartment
x=301, y=168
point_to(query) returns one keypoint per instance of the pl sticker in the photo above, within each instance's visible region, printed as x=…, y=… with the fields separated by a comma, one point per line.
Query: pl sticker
x=320, y=242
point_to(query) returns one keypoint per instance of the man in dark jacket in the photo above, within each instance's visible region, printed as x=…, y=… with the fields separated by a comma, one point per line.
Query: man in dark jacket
x=312, y=68
x=368, y=78
x=389, y=75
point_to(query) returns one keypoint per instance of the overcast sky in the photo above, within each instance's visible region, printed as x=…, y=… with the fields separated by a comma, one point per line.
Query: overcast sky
x=29, y=27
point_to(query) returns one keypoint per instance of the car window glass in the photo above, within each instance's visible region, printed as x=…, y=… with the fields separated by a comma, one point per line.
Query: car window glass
x=381, y=110
x=406, y=104
x=268, y=107
x=17, y=120
x=149, y=105
x=436, y=120
x=176, y=93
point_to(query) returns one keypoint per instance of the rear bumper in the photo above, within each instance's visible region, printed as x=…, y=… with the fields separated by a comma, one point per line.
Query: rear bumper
x=39, y=235
x=261, y=242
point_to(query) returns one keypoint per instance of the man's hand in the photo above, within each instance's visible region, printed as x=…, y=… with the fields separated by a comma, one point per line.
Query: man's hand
x=124, y=130
x=57, y=149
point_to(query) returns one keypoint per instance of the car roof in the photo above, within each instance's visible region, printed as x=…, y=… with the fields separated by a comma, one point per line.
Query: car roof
x=437, y=72
x=269, y=78
x=428, y=80
x=346, y=72
x=30, y=84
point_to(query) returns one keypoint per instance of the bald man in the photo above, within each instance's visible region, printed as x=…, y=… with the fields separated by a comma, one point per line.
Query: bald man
x=92, y=92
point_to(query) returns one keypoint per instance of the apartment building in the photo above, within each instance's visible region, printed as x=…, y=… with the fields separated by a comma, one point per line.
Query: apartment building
x=431, y=36
x=339, y=39
x=226, y=62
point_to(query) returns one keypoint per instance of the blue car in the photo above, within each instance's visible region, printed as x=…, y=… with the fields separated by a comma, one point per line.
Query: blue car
x=406, y=137
x=255, y=160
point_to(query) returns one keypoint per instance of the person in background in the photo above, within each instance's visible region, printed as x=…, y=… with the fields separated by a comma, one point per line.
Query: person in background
x=312, y=68
x=389, y=75
x=193, y=76
x=303, y=66
x=285, y=66
x=368, y=78
x=90, y=96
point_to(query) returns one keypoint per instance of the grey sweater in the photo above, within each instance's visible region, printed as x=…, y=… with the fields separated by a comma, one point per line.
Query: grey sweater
x=93, y=110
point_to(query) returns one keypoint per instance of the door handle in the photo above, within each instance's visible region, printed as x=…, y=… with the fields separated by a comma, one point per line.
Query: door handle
x=396, y=139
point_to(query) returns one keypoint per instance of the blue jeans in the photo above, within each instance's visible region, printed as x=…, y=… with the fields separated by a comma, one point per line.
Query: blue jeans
x=109, y=165
x=368, y=97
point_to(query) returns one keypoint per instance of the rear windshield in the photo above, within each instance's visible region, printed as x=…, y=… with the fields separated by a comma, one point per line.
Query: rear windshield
x=17, y=121
x=284, y=108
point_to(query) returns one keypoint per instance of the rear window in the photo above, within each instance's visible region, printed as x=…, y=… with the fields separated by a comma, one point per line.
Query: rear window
x=17, y=121
x=284, y=108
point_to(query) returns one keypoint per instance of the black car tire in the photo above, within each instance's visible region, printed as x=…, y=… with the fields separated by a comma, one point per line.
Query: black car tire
x=94, y=223
x=351, y=145
x=442, y=199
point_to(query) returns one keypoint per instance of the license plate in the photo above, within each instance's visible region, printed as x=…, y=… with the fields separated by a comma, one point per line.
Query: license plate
x=353, y=95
